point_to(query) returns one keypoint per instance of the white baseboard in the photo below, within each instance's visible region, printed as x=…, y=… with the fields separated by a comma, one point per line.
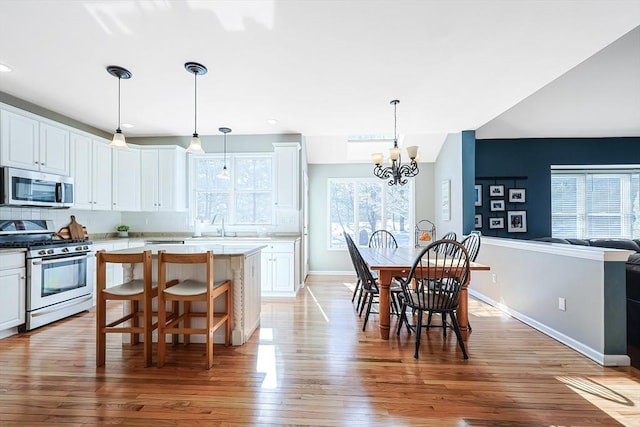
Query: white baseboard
x=332, y=273
x=596, y=356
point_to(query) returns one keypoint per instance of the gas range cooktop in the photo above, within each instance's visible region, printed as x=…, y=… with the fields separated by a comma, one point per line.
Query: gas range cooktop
x=49, y=243
x=38, y=237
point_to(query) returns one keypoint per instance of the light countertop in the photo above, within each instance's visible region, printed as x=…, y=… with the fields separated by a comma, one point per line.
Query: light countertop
x=190, y=248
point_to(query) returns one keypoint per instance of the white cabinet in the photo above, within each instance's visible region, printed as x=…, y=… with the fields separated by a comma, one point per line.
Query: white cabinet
x=163, y=177
x=286, y=175
x=12, y=289
x=91, y=171
x=115, y=272
x=54, y=149
x=29, y=143
x=279, y=269
x=126, y=179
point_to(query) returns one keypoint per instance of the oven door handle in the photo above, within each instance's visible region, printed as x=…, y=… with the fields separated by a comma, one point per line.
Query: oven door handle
x=60, y=306
x=71, y=258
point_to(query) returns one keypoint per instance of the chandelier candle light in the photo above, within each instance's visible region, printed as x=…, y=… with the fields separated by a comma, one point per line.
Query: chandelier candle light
x=118, y=140
x=396, y=171
x=196, y=69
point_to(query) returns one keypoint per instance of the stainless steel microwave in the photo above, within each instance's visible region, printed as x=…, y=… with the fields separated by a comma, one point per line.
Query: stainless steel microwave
x=21, y=187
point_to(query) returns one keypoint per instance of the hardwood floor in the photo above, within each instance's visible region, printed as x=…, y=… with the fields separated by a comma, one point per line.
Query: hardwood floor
x=310, y=364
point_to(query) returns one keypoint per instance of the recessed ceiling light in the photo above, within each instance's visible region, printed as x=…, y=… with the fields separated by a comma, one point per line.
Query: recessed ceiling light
x=272, y=121
x=5, y=69
x=127, y=125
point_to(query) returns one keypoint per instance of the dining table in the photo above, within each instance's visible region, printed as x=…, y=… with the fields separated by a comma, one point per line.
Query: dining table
x=393, y=262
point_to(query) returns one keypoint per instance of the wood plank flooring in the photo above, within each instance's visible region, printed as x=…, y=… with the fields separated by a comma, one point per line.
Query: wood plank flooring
x=310, y=364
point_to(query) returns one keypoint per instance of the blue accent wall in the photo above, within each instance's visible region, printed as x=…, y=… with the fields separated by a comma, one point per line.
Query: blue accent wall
x=468, y=178
x=532, y=158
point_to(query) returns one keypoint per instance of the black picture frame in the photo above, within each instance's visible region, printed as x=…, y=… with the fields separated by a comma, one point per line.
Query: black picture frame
x=496, y=222
x=517, y=221
x=478, y=195
x=496, y=191
x=517, y=195
x=496, y=205
x=478, y=221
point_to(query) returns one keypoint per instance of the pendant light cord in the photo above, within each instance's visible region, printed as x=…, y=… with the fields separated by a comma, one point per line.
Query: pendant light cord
x=119, y=104
x=195, y=103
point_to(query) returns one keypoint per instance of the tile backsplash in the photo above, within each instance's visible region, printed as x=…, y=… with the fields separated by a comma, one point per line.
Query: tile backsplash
x=104, y=221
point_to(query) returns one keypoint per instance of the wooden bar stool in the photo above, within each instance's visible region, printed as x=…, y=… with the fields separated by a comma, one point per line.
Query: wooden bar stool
x=136, y=291
x=188, y=291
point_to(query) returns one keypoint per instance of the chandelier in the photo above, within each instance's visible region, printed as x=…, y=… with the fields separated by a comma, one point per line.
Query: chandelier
x=396, y=172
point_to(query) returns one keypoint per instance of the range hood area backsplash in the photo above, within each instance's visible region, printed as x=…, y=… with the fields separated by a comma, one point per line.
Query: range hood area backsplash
x=104, y=222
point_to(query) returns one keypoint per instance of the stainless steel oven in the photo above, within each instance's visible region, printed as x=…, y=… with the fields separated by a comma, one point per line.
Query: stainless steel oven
x=60, y=273
x=60, y=284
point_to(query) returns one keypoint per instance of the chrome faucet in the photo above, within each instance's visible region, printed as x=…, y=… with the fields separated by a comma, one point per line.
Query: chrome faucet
x=220, y=230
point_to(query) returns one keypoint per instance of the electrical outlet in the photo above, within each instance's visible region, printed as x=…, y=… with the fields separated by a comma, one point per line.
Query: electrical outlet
x=494, y=278
x=562, y=304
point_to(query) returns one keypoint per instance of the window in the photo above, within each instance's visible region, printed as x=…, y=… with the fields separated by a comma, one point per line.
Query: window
x=595, y=203
x=363, y=205
x=244, y=198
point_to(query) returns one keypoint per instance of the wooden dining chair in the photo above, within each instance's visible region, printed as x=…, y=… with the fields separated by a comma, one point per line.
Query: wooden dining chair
x=178, y=322
x=433, y=286
x=370, y=290
x=139, y=293
x=472, y=244
x=382, y=239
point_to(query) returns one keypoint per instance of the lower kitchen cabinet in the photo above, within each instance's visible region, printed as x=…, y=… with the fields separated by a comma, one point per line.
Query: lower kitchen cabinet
x=115, y=273
x=13, y=287
x=280, y=269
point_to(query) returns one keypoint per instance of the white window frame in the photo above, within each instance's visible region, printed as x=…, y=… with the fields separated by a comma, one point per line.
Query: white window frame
x=372, y=180
x=582, y=215
x=231, y=167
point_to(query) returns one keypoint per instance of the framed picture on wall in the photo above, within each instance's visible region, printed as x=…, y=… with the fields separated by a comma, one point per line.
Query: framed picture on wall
x=496, y=190
x=479, y=221
x=517, y=221
x=478, y=195
x=517, y=195
x=496, y=222
x=446, y=199
x=496, y=205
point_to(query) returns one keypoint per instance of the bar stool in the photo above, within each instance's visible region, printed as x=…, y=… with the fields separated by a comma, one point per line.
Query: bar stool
x=136, y=291
x=188, y=291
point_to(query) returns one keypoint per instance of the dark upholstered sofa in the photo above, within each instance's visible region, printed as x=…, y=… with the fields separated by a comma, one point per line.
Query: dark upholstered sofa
x=633, y=285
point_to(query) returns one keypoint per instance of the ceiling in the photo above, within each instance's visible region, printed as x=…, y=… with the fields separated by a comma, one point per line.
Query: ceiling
x=323, y=69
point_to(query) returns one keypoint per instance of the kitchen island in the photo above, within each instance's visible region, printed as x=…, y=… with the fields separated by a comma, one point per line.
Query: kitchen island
x=240, y=263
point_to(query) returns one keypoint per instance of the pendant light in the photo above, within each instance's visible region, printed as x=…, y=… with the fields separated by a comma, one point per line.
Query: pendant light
x=225, y=173
x=118, y=140
x=196, y=69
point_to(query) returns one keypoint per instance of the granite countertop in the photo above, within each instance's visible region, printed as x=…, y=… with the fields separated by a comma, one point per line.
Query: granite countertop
x=12, y=250
x=168, y=237
x=218, y=249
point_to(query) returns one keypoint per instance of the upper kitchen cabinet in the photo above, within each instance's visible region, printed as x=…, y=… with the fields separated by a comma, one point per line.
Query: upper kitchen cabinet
x=286, y=193
x=126, y=179
x=287, y=175
x=164, y=184
x=30, y=142
x=91, y=171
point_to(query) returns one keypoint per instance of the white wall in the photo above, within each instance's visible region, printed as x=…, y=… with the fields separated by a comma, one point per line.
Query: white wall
x=449, y=167
x=322, y=260
x=527, y=278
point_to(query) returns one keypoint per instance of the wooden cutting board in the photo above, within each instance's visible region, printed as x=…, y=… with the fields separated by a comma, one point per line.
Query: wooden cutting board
x=64, y=233
x=75, y=229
